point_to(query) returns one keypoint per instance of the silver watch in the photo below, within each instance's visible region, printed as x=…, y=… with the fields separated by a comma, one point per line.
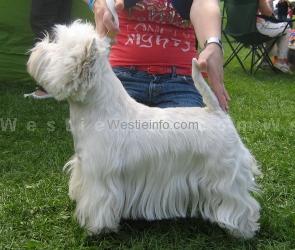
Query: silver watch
x=215, y=40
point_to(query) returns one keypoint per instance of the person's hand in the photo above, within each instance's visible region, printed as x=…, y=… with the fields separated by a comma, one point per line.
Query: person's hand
x=211, y=61
x=103, y=18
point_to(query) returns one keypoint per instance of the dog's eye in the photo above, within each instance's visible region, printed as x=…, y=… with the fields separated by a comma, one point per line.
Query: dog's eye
x=52, y=38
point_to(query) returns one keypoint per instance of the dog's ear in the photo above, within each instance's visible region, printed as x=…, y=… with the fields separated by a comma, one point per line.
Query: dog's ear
x=82, y=70
x=83, y=58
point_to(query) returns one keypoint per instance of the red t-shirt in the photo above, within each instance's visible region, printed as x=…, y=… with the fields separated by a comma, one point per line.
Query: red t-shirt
x=153, y=37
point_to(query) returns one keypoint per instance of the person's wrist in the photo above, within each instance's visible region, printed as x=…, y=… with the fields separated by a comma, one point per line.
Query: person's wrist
x=213, y=47
x=213, y=42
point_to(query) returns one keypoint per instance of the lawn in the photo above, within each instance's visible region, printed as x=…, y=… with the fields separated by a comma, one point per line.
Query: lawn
x=36, y=213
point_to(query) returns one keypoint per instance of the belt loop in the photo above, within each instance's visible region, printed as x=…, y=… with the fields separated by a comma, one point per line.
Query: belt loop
x=173, y=69
x=132, y=70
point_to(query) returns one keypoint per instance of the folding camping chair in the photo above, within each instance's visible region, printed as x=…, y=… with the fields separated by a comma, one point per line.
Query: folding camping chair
x=240, y=32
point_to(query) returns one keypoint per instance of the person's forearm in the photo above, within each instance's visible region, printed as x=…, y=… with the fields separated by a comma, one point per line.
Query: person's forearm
x=264, y=8
x=205, y=17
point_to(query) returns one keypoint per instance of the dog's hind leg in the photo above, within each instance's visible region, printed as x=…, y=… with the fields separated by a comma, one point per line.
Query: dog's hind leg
x=225, y=196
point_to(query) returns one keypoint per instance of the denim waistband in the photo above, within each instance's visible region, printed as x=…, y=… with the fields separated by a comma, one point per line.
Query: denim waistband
x=172, y=71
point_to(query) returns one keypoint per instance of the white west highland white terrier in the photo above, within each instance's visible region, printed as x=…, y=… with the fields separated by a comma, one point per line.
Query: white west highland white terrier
x=144, y=166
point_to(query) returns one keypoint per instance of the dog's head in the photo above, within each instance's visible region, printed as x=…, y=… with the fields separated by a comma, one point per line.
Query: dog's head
x=63, y=65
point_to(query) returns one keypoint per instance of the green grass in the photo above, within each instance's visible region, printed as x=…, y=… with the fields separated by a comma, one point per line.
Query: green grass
x=36, y=213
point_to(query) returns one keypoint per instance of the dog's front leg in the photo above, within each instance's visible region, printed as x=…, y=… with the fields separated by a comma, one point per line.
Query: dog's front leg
x=100, y=201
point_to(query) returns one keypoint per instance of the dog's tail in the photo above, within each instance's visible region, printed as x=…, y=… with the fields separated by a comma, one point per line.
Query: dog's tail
x=209, y=97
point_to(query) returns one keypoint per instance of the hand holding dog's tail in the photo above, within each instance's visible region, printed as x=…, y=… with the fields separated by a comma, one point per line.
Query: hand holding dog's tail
x=209, y=97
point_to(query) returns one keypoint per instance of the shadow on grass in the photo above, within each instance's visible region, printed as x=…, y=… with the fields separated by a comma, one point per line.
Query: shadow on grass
x=173, y=234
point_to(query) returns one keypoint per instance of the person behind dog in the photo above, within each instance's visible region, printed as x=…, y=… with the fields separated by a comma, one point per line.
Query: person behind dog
x=44, y=15
x=283, y=7
x=155, y=46
x=273, y=29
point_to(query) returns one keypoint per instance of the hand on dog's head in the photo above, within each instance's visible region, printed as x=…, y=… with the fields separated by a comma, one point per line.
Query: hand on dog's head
x=62, y=66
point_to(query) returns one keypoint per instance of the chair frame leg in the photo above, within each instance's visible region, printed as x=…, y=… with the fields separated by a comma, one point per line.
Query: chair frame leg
x=235, y=53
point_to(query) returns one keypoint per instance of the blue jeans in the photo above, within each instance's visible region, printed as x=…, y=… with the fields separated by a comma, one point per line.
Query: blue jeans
x=163, y=91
